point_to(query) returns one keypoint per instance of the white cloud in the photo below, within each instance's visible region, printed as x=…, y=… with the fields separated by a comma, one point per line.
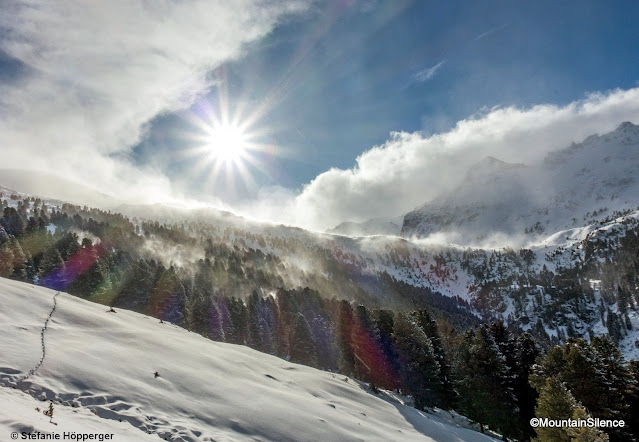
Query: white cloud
x=412, y=168
x=428, y=73
x=98, y=72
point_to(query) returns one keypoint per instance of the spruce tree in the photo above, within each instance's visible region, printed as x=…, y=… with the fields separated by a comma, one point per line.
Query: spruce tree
x=526, y=353
x=19, y=259
x=6, y=260
x=585, y=434
x=448, y=395
x=238, y=324
x=619, y=387
x=485, y=387
x=384, y=321
x=255, y=339
x=344, y=333
x=301, y=344
x=51, y=269
x=419, y=368
x=555, y=403
x=632, y=414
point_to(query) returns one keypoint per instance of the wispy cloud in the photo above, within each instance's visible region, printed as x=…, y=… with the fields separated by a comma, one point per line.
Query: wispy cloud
x=428, y=73
x=96, y=73
x=490, y=31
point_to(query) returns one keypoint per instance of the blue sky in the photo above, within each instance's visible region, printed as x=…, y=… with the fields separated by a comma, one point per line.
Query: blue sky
x=340, y=78
x=359, y=109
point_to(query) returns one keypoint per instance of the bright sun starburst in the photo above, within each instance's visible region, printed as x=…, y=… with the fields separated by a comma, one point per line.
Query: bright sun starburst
x=227, y=143
x=227, y=148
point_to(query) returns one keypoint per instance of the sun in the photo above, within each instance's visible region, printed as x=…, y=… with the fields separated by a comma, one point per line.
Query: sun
x=229, y=153
x=226, y=143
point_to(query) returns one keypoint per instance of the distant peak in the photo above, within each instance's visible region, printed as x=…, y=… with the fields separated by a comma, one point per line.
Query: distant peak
x=625, y=126
x=490, y=166
x=496, y=164
x=492, y=160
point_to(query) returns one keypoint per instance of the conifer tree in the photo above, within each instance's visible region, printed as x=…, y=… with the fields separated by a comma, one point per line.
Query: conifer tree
x=255, y=339
x=585, y=434
x=19, y=258
x=632, y=414
x=236, y=332
x=555, y=403
x=526, y=353
x=301, y=343
x=344, y=333
x=51, y=269
x=419, y=368
x=6, y=260
x=384, y=321
x=363, y=341
x=485, y=389
x=619, y=387
x=448, y=395
x=596, y=376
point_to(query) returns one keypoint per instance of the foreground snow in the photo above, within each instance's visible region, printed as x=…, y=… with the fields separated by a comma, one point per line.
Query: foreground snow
x=99, y=369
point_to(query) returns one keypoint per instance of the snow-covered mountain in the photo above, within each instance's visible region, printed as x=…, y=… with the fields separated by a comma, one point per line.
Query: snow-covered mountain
x=140, y=379
x=375, y=226
x=54, y=187
x=568, y=189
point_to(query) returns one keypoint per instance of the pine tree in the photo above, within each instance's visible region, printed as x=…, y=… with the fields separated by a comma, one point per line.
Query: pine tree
x=238, y=322
x=12, y=222
x=344, y=333
x=596, y=377
x=419, y=368
x=485, y=389
x=585, y=434
x=6, y=260
x=51, y=269
x=90, y=274
x=526, y=353
x=19, y=259
x=255, y=339
x=632, y=414
x=448, y=395
x=556, y=403
x=582, y=374
x=301, y=343
x=619, y=386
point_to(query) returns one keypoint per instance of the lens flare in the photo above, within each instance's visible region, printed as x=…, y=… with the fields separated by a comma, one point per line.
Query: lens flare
x=226, y=143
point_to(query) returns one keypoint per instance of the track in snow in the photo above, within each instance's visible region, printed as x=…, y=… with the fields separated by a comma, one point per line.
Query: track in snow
x=44, y=349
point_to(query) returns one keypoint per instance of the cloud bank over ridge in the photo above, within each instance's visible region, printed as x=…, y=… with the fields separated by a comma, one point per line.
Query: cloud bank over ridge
x=412, y=168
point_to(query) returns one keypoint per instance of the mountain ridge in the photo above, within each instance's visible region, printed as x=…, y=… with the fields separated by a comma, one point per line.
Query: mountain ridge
x=597, y=174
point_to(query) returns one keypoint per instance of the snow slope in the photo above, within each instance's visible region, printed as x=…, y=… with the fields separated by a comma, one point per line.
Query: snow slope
x=98, y=367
